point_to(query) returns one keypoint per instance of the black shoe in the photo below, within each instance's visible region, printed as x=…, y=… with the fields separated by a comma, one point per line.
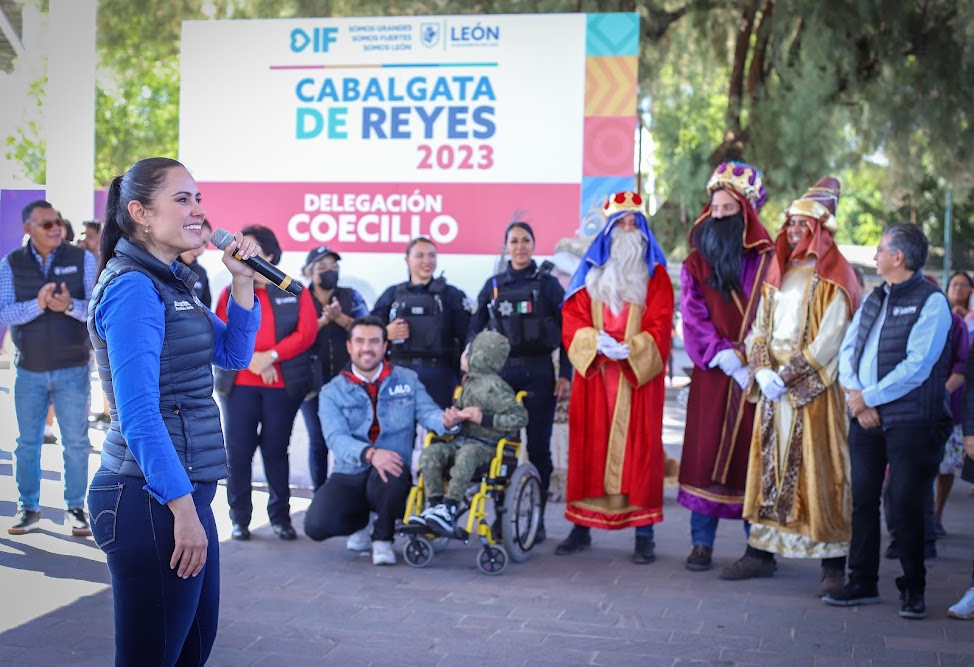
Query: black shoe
x=240, y=532
x=541, y=535
x=645, y=551
x=853, y=594
x=892, y=551
x=285, y=531
x=911, y=603
x=78, y=521
x=27, y=520
x=578, y=540
x=50, y=439
x=701, y=558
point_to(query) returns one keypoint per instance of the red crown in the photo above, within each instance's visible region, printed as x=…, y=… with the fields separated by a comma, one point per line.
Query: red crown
x=623, y=201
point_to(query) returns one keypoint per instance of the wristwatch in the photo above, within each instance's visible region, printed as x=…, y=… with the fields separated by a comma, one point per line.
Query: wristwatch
x=274, y=354
x=70, y=308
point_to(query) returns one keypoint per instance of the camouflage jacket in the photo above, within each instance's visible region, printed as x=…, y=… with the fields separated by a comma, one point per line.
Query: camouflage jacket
x=484, y=388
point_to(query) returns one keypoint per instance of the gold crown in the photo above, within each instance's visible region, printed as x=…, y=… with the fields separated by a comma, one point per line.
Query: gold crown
x=815, y=210
x=743, y=178
x=623, y=201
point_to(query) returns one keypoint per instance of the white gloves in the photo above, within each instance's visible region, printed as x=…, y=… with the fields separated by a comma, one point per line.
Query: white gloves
x=612, y=348
x=727, y=360
x=740, y=376
x=772, y=386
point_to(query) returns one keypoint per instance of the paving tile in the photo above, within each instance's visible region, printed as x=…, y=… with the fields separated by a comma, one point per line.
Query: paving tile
x=762, y=658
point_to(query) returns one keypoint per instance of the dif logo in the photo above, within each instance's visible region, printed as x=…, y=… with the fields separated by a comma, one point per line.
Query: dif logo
x=318, y=39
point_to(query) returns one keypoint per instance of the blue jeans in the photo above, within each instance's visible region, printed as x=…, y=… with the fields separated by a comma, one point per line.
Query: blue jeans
x=703, y=529
x=69, y=390
x=160, y=619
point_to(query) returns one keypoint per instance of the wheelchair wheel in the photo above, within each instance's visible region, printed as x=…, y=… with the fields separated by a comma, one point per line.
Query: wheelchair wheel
x=418, y=551
x=492, y=559
x=522, y=512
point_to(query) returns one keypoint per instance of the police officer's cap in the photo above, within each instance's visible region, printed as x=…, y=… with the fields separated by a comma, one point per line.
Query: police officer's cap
x=320, y=252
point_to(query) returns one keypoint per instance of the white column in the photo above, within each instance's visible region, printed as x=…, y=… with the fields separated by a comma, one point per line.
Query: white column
x=70, y=108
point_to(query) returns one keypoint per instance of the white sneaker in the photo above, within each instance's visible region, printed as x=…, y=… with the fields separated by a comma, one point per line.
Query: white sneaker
x=964, y=609
x=360, y=540
x=382, y=553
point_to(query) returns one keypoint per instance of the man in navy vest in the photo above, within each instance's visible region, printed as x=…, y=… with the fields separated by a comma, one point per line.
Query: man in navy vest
x=44, y=290
x=893, y=367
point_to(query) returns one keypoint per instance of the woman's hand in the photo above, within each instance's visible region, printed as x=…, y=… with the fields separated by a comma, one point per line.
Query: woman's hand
x=190, y=538
x=244, y=249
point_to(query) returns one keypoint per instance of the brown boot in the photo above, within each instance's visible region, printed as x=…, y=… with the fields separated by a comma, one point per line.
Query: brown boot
x=748, y=567
x=833, y=581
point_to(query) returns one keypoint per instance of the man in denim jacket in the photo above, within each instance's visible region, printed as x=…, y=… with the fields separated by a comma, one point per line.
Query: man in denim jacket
x=369, y=415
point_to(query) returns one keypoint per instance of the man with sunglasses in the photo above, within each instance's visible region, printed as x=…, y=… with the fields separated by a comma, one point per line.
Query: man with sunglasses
x=44, y=290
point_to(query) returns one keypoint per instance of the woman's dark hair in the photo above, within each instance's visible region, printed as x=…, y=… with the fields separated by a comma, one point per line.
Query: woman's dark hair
x=140, y=183
x=418, y=239
x=970, y=282
x=518, y=224
x=265, y=239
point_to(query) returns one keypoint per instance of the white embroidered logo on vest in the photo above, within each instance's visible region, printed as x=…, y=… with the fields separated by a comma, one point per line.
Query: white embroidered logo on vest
x=65, y=270
x=182, y=305
x=904, y=310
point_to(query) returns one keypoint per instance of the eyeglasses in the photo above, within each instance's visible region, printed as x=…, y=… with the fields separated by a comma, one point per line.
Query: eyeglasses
x=50, y=223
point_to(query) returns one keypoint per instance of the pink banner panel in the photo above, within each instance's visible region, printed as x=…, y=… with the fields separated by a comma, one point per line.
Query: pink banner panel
x=383, y=217
x=609, y=146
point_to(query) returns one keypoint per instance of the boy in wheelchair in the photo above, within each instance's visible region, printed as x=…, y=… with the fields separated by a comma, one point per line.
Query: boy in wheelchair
x=493, y=413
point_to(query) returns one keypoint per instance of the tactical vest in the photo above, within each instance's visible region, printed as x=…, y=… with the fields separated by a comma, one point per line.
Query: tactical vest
x=53, y=340
x=426, y=315
x=298, y=372
x=927, y=402
x=517, y=311
x=186, y=404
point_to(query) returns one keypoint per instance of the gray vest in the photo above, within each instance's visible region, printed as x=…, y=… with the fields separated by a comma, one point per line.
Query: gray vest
x=186, y=403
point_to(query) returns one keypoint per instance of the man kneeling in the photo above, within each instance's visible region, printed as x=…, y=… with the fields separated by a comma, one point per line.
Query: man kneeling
x=369, y=416
x=492, y=412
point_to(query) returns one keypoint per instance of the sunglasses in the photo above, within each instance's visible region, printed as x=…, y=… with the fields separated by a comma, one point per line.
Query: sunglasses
x=50, y=223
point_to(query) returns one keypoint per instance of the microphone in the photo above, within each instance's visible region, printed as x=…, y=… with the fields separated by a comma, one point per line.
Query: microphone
x=221, y=238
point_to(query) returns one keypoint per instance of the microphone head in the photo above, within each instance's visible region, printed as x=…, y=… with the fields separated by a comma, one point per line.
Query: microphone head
x=221, y=238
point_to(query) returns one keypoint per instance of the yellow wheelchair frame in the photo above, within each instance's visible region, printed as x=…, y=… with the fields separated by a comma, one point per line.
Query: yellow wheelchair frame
x=516, y=491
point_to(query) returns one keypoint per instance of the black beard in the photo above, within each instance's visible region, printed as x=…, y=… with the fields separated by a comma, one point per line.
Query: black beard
x=721, y=243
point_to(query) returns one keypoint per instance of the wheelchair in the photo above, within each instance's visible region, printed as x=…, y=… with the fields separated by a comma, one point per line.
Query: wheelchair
x=515, y=492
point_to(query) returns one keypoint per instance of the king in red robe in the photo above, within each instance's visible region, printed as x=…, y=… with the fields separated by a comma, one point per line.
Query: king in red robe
x=617, y=322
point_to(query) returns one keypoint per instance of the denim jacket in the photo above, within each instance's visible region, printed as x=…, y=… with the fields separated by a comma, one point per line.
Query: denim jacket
x=346, y=415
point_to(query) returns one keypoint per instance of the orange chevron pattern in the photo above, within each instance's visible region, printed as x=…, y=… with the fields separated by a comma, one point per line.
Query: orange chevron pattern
x=610, y=85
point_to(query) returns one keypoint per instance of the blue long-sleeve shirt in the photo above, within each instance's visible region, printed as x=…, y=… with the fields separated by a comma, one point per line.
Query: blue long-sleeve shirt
x=131, y=319
x=924, y=346
x=13, y=312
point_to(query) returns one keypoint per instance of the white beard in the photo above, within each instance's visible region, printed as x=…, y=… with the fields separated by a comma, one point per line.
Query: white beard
x=623, y=278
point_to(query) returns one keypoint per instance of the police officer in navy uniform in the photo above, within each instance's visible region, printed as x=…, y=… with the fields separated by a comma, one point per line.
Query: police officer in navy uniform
x=426, y=321
x=524, y=303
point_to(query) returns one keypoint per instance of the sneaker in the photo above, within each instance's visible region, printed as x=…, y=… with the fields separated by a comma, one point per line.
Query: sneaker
x=645, y=551
x=964, y=609
x=853, y=594
x=382, y=553
x=748, y=567
x=78, y=521
x=701, y=558
x=578, y=540
x=440, y=517
x=911, y=603
x=360, y=540
x=832, y=582
x=50, y=438
x=27, y=520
